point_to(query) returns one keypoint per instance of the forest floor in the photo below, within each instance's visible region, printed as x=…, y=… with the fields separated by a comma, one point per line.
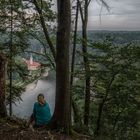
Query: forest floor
x=15, y=130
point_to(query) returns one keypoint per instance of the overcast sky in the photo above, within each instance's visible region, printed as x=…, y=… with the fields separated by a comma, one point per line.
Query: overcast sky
x=123, y=15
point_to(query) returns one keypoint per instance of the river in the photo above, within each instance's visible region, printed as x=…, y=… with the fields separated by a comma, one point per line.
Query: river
x=23, y=109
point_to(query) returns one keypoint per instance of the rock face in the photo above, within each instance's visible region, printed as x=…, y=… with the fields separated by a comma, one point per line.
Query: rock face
x=24, y=108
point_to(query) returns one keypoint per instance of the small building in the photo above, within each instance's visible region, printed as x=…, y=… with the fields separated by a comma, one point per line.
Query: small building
x=32, y=65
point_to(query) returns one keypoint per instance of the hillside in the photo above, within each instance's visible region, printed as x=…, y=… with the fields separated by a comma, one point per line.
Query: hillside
x=119, y=36
x=15, y=129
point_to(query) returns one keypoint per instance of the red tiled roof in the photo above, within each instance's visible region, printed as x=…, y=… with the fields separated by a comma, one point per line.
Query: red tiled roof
x=36, y=64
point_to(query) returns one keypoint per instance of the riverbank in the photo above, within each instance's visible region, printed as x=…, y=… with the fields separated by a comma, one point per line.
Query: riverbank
x=24, y=107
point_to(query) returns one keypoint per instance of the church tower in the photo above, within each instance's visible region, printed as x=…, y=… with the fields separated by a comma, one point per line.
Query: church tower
x=31, y=60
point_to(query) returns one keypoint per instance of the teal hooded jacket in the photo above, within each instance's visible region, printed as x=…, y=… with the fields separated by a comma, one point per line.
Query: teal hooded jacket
x=41, y=113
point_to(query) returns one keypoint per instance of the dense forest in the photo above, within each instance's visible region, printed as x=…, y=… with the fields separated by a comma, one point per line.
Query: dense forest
x=97, y=73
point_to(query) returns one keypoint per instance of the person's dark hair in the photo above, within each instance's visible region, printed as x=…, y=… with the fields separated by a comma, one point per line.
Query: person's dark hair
x=42, y=95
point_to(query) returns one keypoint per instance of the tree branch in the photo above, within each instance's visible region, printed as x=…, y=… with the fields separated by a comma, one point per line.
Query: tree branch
x=44, y=55
x=42, y=21
x=81, y=11
x=105, y=4
x=89, y=2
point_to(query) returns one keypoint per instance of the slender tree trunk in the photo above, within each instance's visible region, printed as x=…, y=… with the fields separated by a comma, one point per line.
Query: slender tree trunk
x=101, y=106
x=62, y=116
x=3, y=70
x=72, y=65
x=84, y=18
x=46, y=33
x=87, y=76
x=100, y=111
x=11, y=57
x=74, y=46
x=86, y=64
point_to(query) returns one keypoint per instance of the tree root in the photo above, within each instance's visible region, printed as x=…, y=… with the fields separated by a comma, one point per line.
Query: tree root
x=78, y=135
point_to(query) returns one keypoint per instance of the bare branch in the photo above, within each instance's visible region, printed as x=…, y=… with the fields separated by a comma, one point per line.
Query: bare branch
x=81, y=11
x=105, y=5
x=43, y=55
x=89, y=2
x=45, y=29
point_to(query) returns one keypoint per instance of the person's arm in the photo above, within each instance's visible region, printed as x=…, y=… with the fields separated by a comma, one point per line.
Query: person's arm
x=49, y=111
x=34, y=111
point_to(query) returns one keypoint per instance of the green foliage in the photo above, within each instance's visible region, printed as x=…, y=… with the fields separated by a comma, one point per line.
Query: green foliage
x=118, y=77
x=25, y=26
x=115, y=89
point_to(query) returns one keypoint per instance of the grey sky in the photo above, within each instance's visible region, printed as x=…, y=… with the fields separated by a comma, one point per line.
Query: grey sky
x=123, y=15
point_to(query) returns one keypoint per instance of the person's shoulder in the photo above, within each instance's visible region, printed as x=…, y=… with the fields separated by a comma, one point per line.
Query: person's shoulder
x=46, y=103
x=36, y=104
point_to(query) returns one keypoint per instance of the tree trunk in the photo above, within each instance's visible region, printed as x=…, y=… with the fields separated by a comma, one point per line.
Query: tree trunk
x=46, y=33
x=74, y=46
x=101, y=106
x=73, y=105
x=86, y=64
x=3, y=70
x=84, y=18
x=100, y=111
x=87, y=76
x=61, y=118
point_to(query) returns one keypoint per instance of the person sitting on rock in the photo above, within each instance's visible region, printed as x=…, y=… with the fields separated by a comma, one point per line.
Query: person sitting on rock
x=41, y=113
